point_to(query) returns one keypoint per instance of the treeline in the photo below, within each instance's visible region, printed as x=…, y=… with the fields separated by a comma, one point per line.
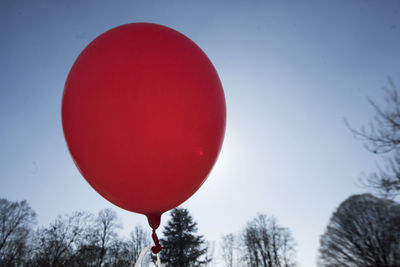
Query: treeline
x=363, y=231
x=262, y=242
x=85, y=239
x=79, y=239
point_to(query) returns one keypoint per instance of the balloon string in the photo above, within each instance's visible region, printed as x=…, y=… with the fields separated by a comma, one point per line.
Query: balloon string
x=158, y=260
x=141, y=256
x=157, y=248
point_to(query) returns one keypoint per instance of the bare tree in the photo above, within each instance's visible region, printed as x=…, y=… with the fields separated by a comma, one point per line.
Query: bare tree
x=364, y=231
x=78, y=239
x=125, y=252
x=119, y=254
x=16, y=221
x=382, y=136
x=228, y=246
x=288, y=254
x=209, y=256
x=57, y=244
x=103, y=247
x=105, y=225
x=267, y=244
x=139, y=238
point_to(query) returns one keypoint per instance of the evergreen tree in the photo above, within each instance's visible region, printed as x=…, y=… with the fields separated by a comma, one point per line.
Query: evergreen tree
x=182, y=247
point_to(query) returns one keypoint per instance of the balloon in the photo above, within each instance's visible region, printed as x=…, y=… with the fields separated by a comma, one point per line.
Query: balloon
x=144, y=115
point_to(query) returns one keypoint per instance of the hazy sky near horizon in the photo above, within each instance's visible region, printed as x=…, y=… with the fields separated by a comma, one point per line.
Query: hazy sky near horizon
x=291, y=73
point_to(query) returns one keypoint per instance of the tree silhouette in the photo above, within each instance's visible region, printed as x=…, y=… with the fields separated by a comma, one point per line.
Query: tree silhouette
x=364, y=231
x=106, y=224
x=182, y=247
x=139, y=238
x=267, y=244
x=16, y=220
x=228, y=247
x=82, y=239
x=56, y=245
x=79, y=239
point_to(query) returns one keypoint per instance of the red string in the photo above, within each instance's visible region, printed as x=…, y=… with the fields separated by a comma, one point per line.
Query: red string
x=157, y=248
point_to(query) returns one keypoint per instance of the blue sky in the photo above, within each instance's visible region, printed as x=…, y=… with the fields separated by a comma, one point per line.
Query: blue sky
x=291, y=72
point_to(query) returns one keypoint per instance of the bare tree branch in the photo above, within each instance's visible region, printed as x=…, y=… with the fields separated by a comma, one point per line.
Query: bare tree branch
x=382, y=136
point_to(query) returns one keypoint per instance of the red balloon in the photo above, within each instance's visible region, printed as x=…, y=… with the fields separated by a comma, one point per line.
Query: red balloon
x=144, y=116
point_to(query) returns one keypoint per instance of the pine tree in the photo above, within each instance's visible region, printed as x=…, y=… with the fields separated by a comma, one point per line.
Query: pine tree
x=182, y=247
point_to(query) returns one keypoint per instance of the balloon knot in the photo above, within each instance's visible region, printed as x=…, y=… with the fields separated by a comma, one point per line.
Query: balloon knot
x=157, y=248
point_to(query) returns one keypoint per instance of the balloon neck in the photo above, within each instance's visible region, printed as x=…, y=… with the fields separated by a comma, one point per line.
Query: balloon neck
x=154, y=221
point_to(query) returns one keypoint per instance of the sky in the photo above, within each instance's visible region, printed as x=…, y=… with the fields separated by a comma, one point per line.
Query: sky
x=291, y=72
